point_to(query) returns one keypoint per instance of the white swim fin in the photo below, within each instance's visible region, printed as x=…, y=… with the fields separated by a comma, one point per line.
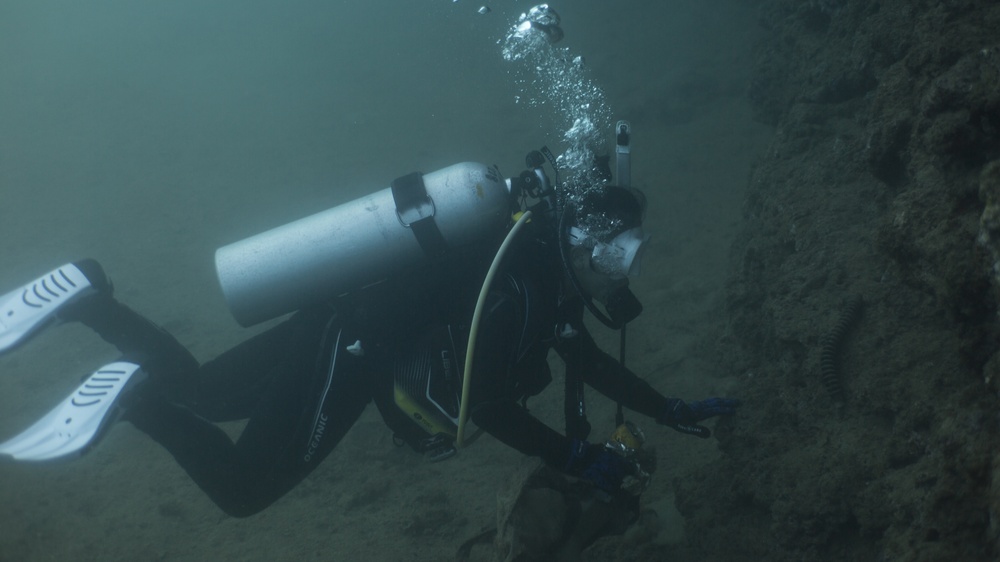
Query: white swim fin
x=80, y=420
x=27, y=310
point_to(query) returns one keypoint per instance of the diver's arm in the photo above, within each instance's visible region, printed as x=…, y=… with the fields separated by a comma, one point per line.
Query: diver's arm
x=610, y=378
x=494, y=393
x=606, y=375
x=515, y=427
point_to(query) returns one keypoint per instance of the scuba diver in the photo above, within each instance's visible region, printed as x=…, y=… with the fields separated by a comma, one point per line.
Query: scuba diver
x=387, y=317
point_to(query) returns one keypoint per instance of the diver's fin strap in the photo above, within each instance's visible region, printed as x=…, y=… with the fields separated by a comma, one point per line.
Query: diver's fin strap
x=416, y=210
x=80, y=420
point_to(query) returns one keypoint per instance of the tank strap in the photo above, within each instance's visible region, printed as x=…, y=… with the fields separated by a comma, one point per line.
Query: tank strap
x=416, y=211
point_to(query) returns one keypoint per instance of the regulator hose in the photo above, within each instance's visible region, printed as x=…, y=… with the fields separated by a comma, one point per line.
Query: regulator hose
x=463, y=409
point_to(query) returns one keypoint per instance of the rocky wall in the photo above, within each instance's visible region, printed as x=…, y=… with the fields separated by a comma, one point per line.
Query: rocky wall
x=882, y=184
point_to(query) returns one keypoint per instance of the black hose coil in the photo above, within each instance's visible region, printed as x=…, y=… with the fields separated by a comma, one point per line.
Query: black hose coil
x=829, y=358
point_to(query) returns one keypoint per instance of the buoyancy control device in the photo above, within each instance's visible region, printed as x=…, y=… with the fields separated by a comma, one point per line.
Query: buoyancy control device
x=420, y=217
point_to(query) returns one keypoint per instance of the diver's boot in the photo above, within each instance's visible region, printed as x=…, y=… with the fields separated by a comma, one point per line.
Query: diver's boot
x=82, y=419
x=27, y=310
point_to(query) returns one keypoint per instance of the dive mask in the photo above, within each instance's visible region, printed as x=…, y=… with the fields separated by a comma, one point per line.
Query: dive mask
x=618, y=258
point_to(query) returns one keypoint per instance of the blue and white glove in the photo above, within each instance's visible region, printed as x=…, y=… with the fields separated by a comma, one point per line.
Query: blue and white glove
x=684, y=416
x=603, y=467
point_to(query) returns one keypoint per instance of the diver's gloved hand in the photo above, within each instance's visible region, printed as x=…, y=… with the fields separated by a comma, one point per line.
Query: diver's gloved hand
x=605, y=468
x=684, y=416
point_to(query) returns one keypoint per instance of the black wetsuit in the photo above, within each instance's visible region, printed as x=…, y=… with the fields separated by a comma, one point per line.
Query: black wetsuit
x=302, y=390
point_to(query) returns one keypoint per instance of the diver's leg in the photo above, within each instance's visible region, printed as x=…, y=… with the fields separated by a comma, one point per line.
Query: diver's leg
x=312, y=396
x=233, y=385
x=154, y=363
x=171, y=366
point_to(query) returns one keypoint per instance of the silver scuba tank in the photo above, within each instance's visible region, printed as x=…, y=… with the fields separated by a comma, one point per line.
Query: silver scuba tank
x=362, y=242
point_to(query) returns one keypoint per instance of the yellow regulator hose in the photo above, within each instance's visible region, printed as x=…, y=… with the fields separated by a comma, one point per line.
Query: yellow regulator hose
x=463, y=410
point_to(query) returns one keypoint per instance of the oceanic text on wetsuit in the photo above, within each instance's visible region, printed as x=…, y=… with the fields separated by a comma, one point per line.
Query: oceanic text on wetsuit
x=317, y=436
